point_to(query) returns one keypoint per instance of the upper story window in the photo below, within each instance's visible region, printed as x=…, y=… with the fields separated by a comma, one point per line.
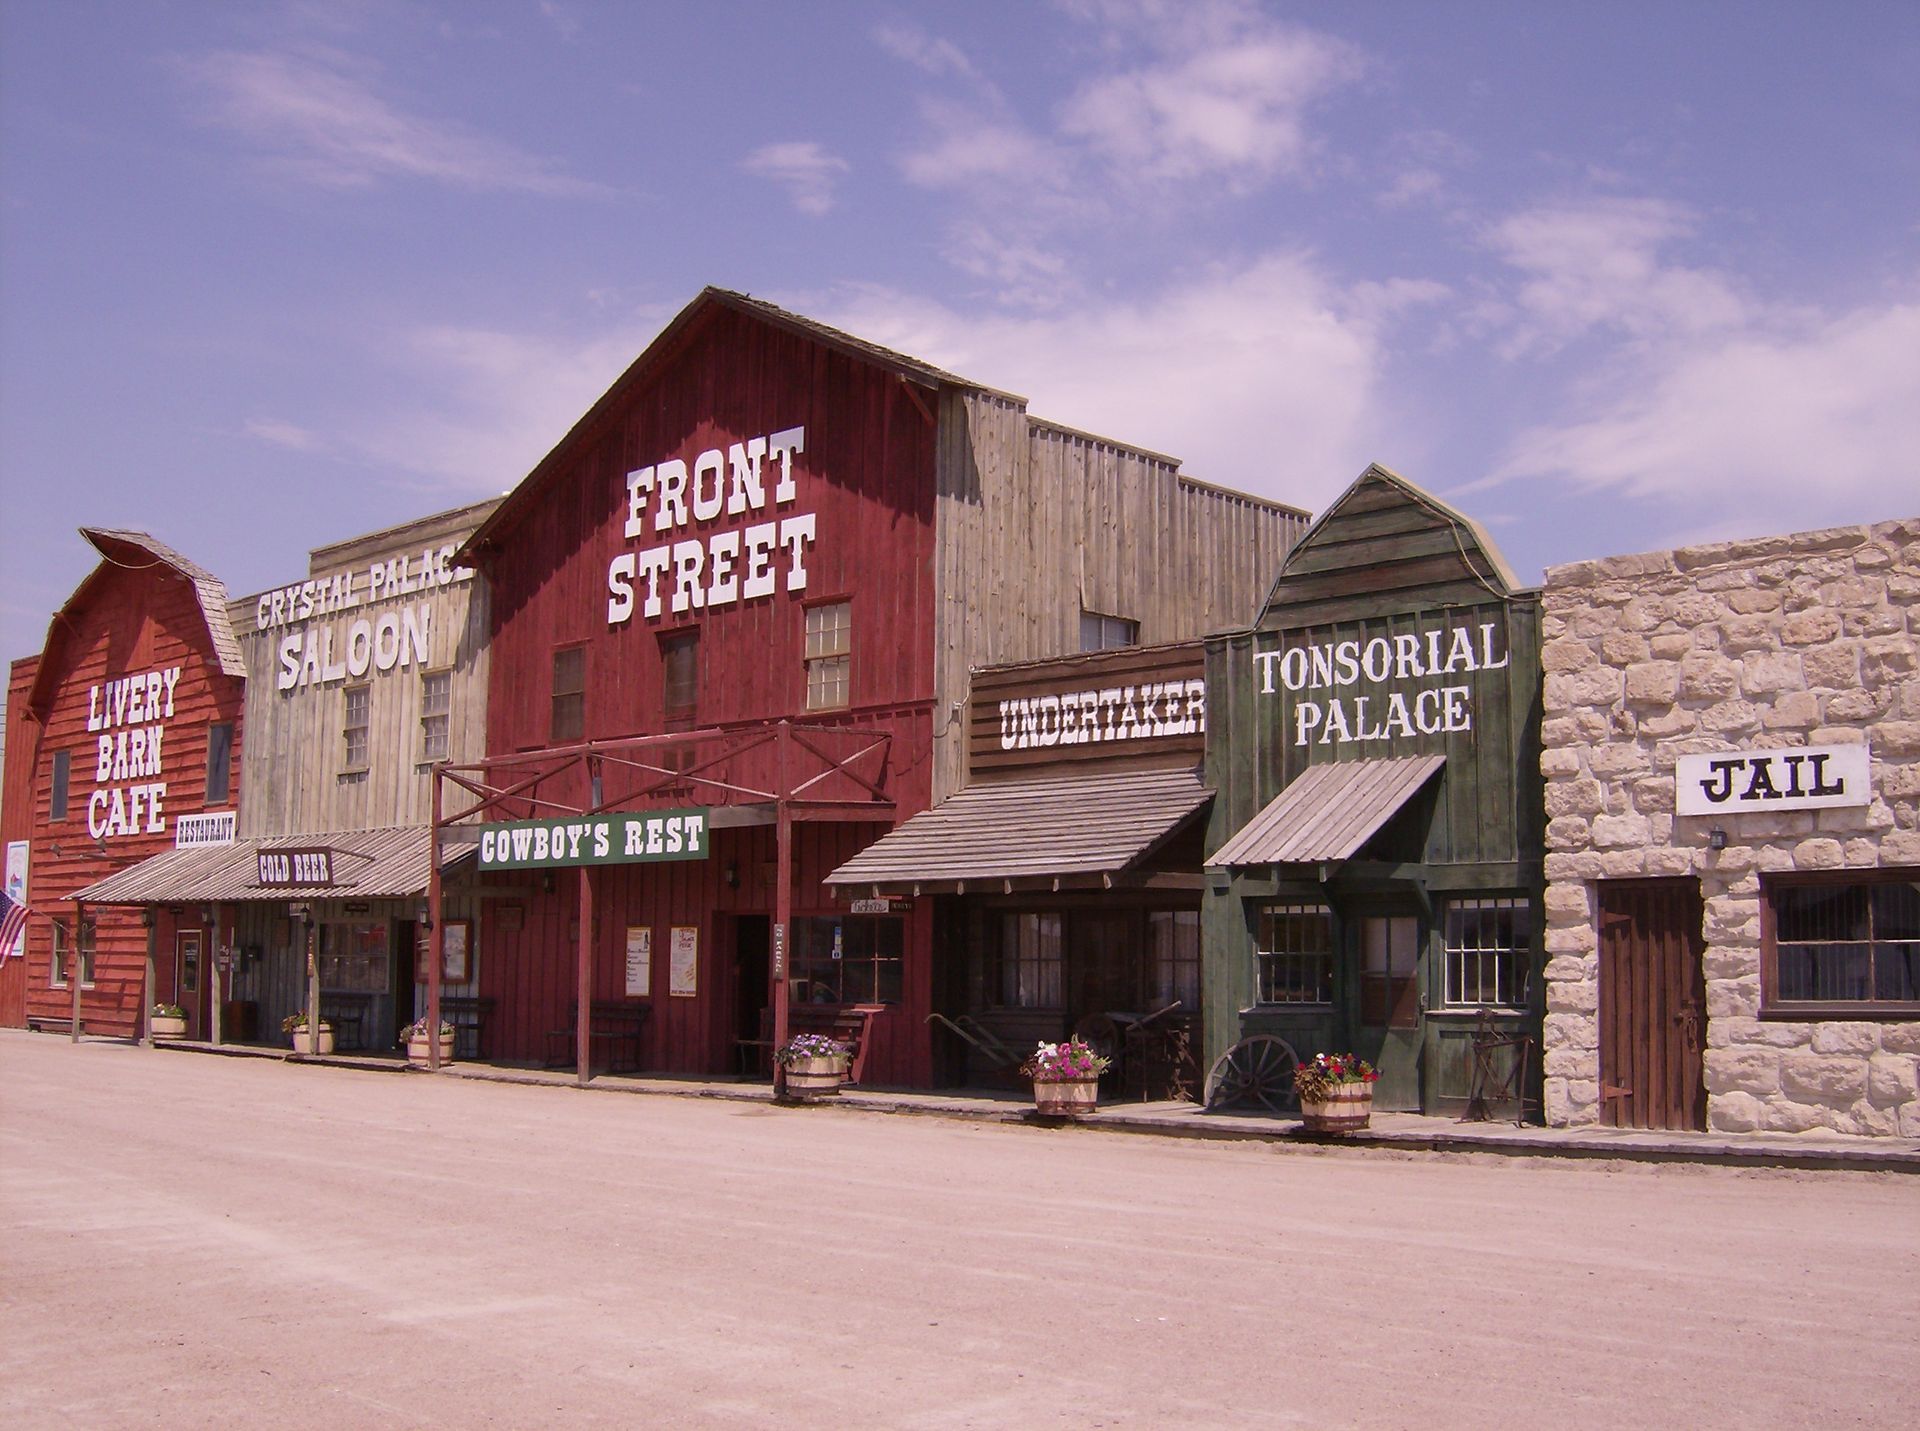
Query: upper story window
x=1489, y=949
x=354, y=727
x=62, y=777
x=1293, y=959
x=219, y=762
x=1848, y=947
x=829, y=655
x=1103, y=633
x=436, y=714
x=680, y=675
x=569, y=695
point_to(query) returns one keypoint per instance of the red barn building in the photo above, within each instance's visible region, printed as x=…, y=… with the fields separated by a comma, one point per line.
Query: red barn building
x=749, y=587
x=123, y=741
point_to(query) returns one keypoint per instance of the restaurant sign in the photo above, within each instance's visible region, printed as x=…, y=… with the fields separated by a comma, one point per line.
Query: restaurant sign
x=595, y=840
x=1807, y=778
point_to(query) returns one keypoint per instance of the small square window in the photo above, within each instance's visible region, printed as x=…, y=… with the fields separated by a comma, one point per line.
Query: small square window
x=436, y=714
x=829, y=656
x=354, y=727
x=569, y=721
x=680, y=675
x=1105, y=633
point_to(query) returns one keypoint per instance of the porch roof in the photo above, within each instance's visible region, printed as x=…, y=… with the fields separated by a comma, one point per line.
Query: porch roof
x=1022, y=829
x=1327, y=812
x=369, y=864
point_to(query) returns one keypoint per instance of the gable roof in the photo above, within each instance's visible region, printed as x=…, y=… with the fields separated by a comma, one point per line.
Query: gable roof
x=1381, y=538
x=710, y=301
x=131, y=550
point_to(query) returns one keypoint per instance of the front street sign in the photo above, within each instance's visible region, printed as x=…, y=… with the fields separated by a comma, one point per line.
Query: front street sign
x=595, y=840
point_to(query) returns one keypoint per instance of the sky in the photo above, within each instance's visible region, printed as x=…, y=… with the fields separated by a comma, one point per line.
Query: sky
x=1609, y=277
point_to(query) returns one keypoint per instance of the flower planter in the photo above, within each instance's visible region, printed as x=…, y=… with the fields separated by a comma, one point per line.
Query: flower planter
x=169, y=1025
x=303, y=1042
x=1065, y=1097
x=810, y=1079
x=1346, y=1109
x=420, y=1050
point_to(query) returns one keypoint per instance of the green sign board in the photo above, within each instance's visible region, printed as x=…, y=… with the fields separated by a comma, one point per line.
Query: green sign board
x=595, y=840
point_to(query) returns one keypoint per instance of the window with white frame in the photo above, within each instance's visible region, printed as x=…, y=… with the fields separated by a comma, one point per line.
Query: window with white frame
x=829, y=655
x=436, y=714
x=353, y=727
x=1846, y=946
x=63, y=953
x=1489, y=949
x=1293, y=958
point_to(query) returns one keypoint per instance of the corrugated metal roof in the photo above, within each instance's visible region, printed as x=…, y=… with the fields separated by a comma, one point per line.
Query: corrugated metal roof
x=1015, y=829
x=368, y=864
x=1328, y=812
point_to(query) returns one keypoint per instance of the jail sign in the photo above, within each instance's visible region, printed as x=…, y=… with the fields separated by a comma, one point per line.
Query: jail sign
x=1731, y=782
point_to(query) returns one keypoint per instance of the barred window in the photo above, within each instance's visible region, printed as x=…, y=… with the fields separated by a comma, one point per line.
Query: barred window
x=436, y=714
x=1489, y=944
x=829, y=656
x=1174, y=937
x=1294, y=957
x=1844, y=947
x=354, y=727
x=1030, y=974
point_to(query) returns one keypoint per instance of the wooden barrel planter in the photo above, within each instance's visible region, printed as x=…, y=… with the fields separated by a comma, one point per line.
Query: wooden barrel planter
x=1347, y=1108
x=303, y=1042
x=169, y=1026
x=811, y=1079
x=1065, y=1097
x=420, y=1049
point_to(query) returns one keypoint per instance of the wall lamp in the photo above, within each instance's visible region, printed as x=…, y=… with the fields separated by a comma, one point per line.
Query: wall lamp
x=1716, y=838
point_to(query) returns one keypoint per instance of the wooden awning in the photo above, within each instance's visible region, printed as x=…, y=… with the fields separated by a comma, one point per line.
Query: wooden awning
x=1021, y=830
x=1328, y=812
x=369, y=864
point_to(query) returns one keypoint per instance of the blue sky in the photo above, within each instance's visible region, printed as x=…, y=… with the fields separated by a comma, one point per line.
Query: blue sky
x=1611, y=277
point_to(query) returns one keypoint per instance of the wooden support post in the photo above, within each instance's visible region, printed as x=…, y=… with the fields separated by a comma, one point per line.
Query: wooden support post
x=583, y=1041
x=313, y=984
x=436, y=932
x=216, y=994
x=150, y=917
x=782, y=911
x=76, y=970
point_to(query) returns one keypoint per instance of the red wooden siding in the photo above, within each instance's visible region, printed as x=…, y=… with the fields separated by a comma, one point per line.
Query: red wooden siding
x=16, y=819
x=120, y=623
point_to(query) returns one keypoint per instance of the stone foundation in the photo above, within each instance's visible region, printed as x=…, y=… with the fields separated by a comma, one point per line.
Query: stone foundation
x=1808, y=639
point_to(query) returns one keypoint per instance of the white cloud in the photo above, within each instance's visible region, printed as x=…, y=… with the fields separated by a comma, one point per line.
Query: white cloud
x=805, y=169
x=316, y=115
x=924, y=52
x=1792, y=424
x=281, y=434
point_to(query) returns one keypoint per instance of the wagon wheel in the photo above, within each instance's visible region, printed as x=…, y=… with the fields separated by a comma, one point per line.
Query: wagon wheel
x=1259, y=1068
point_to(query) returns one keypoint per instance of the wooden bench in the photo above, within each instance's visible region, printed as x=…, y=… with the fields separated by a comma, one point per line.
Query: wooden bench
x=469, y=1017
x=612, y=1024
x=849, y=1024
x=53, y=1023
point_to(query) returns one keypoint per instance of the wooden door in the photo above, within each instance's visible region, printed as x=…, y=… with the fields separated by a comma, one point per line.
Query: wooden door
x=188, y=978
x=1390, y=1021
x=1653, y=1002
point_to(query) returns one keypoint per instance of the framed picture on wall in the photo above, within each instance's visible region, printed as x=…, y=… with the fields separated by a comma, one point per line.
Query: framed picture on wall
x=457, y=965
x=683, y=961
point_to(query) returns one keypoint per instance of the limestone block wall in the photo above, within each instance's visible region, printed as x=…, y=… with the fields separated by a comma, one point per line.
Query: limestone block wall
x=1807, y=639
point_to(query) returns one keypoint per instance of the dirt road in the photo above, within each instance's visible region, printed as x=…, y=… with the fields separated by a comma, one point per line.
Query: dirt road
x=194, y=1240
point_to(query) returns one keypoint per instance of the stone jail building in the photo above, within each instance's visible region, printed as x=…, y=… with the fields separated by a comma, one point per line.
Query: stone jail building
x=1731, y=750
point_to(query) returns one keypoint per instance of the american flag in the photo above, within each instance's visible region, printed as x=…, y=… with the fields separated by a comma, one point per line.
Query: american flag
x=13, y=923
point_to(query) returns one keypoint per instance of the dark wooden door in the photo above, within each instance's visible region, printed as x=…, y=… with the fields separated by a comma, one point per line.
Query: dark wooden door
x=1653, y=1005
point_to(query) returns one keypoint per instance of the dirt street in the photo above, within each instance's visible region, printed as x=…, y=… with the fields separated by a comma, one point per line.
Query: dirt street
x=192, y=1240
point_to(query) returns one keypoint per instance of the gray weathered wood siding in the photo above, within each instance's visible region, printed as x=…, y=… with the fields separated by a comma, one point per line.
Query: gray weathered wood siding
x=294, y=760
x=1035, y=523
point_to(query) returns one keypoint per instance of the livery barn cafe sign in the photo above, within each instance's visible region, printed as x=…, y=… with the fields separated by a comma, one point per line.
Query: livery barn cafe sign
x=595, y=840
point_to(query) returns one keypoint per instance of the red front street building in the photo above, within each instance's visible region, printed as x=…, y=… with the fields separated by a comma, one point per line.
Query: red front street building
x=735, y=612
